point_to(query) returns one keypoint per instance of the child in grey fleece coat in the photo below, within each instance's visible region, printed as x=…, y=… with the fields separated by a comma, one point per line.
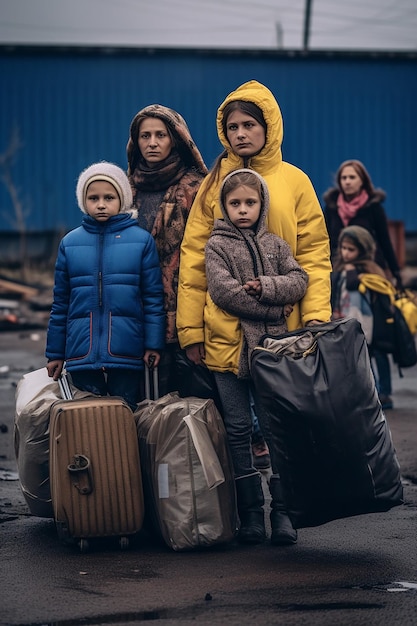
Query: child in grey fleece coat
x=251, y=274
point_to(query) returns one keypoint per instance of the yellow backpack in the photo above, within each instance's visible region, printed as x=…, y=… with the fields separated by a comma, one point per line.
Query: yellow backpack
x=405, y=300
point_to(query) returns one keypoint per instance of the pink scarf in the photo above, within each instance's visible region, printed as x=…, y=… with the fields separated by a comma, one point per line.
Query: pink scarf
x=347, y=210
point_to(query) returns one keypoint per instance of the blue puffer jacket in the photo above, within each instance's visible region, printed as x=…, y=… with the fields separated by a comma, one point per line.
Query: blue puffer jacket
x=108, y=296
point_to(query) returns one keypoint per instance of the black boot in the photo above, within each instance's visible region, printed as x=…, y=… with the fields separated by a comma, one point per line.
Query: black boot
x=250, y=501
x=283, y=533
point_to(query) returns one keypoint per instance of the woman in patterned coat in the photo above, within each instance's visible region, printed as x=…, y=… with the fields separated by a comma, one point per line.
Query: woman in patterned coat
x=165, y=170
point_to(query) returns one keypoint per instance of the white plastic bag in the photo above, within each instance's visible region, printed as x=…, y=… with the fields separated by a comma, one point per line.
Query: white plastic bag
x=36, y=392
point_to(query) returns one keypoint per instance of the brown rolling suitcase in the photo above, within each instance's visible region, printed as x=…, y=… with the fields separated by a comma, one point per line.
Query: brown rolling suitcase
x=95, y=474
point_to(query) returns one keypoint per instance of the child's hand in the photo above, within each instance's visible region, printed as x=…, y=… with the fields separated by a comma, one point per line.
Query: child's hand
x=151, y=358
x=55, y=368
x=288, y=309
x=253, y=287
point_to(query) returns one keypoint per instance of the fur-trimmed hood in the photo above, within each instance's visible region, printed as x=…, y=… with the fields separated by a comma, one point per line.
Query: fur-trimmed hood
x=331, y=195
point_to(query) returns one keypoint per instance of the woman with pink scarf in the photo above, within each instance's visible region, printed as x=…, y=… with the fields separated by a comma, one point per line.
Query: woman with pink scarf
x=354, y=201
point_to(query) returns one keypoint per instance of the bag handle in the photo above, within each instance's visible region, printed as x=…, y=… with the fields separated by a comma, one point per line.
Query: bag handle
x=80, y=472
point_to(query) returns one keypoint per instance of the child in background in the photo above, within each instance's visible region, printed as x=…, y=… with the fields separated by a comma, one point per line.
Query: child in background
x=107, y=316
x=354, y=201
x=251, y=275
x=354, y=266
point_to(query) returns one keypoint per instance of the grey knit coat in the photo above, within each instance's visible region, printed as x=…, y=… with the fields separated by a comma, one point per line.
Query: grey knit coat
x=234, y=256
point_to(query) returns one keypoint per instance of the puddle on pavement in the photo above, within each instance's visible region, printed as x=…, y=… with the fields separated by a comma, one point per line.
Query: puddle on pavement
x=393, y=587
x=6, y=474
x=403, y=586
x=142, y=616
x=114, y=618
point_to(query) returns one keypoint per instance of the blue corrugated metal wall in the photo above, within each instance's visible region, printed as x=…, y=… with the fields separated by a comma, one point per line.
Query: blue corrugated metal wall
x=72, y=109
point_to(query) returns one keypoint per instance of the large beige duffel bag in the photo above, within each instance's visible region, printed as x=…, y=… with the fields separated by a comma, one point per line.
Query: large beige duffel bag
x=187, y=472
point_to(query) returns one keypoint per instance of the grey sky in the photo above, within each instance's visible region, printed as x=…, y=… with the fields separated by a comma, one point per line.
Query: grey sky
x=244, y=24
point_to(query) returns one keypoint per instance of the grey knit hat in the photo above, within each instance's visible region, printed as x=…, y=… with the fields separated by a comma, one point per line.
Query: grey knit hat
x=112, y=174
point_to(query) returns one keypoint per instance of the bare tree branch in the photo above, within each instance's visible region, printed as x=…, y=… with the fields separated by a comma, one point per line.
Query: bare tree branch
x=7, y=159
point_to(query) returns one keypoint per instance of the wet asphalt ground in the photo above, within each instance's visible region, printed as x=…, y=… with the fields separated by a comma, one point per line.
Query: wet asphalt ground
x=355, y=571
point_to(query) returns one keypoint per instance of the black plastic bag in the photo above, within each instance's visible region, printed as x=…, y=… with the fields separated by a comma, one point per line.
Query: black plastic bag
x=195, y=380
x=334, y=449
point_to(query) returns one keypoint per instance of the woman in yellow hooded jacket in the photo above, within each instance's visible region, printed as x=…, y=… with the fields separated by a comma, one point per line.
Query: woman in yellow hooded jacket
x=250, y=128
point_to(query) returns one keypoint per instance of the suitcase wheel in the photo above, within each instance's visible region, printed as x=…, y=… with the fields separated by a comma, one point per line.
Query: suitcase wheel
x=124, y=543
x=62, y=532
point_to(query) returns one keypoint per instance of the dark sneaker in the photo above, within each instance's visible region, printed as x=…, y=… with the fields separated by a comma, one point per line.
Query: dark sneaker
x=260, y=455
x=386, y=402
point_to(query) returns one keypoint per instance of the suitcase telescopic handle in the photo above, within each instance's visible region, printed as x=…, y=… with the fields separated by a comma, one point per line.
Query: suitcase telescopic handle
x=151, y=394
x=64, y=387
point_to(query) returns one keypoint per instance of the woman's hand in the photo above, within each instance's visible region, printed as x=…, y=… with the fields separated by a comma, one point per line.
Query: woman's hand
x=196, y=353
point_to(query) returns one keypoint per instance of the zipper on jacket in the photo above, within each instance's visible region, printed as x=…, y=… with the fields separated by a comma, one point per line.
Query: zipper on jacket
x=100, y=272
x=255, y=263
x=100, y=289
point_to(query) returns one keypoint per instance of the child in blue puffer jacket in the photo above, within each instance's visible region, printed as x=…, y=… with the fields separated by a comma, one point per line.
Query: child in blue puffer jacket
x=107, y=318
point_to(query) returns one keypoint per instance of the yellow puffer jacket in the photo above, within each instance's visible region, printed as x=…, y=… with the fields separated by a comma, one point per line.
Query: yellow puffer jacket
x=295, y=215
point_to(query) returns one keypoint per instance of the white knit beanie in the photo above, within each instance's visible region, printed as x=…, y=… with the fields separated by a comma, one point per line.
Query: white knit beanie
x=112, y=174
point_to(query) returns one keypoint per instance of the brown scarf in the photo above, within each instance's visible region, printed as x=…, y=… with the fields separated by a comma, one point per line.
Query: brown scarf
x=164, y=174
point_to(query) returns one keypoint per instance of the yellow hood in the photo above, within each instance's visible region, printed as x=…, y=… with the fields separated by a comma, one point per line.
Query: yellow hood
x=270, y=155
x=294, y=214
